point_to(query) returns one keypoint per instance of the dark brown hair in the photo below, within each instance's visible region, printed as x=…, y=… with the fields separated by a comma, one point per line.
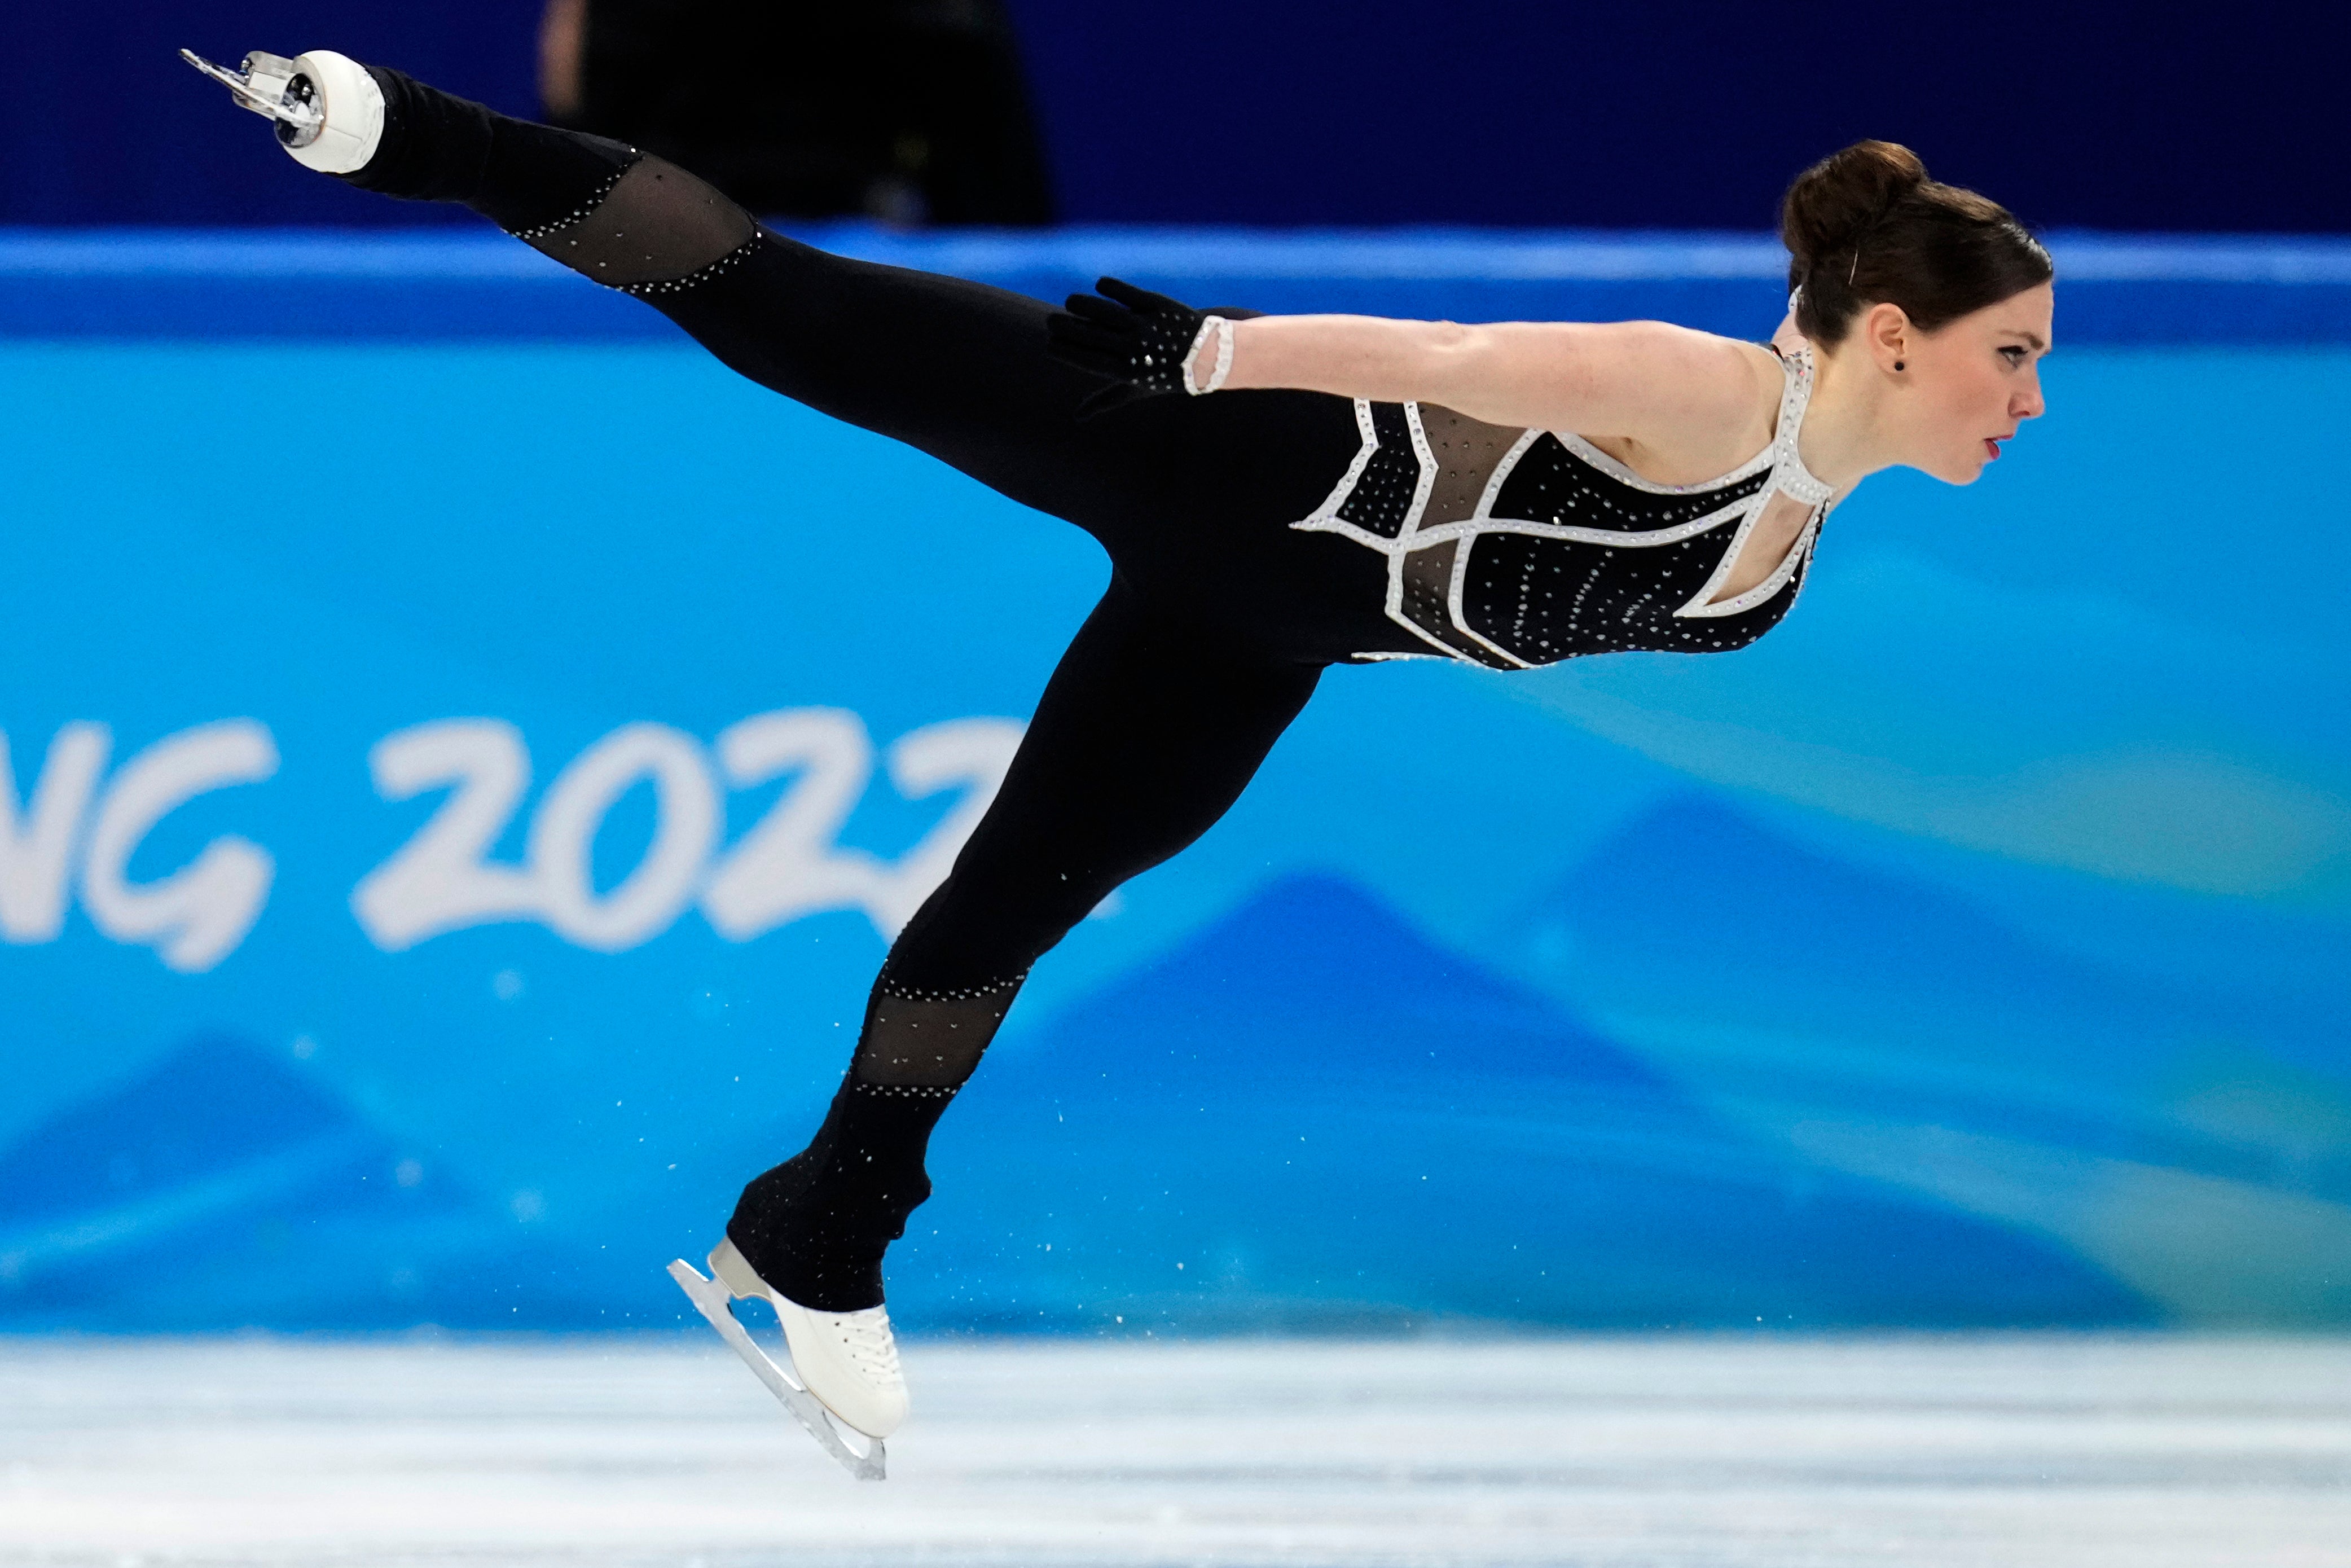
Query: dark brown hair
x=1866, y=225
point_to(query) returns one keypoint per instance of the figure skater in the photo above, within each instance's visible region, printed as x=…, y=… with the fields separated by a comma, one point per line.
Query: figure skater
x=1277, y=495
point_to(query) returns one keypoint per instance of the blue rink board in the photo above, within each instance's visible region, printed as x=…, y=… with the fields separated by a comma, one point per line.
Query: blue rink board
x=1972, y=951
x=145, y=283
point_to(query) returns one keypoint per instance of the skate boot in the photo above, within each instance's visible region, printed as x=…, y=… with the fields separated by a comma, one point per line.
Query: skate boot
x=329, y=111
x=843, y=1382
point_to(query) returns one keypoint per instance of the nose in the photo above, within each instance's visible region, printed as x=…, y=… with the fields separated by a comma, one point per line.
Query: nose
x=2027, y=403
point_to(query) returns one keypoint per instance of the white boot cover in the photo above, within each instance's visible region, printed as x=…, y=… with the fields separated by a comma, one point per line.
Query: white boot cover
x=847, y=1359
x=353, y=109
x=715, y=1299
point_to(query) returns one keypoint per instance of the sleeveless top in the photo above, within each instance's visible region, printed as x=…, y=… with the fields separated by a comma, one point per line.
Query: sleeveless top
x=1515, y=549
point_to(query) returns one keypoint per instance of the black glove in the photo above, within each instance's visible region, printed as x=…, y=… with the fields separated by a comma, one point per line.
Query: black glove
x=1136, y=338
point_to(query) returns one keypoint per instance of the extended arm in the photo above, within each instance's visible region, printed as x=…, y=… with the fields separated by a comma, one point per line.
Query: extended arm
x=1646, y=380
x=1628, y=378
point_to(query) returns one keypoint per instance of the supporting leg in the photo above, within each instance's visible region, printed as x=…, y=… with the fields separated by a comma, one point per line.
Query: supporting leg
x=1140, y=744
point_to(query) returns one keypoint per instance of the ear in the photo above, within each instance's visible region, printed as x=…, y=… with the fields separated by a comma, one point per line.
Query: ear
x=1886, y=330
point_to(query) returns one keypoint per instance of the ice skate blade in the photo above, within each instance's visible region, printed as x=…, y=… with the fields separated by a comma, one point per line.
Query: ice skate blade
x=716, y=1302
x=263, y=87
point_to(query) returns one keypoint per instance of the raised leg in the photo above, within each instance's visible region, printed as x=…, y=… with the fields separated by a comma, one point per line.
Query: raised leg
x=957, y=368
x=1191, y=495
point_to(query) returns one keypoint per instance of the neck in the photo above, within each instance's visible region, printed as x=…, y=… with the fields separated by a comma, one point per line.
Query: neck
x=1843, y=440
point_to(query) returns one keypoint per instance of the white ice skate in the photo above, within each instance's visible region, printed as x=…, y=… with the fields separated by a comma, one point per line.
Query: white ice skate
x=327, y=109
x=844, y=1381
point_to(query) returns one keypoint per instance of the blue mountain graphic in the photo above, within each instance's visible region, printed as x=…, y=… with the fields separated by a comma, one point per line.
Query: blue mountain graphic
x=1315, y=958
x=1698, y=912
x=220, y=1189
x=1699, y=887
x=1325, y=1119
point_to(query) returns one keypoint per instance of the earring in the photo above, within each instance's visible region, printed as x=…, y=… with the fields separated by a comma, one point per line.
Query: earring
x=1898, y=364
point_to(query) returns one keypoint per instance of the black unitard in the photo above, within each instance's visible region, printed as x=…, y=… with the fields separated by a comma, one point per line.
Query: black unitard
x=1219, y=617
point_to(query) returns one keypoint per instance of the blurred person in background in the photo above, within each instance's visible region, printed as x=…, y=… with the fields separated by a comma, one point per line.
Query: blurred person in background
x=912, y=112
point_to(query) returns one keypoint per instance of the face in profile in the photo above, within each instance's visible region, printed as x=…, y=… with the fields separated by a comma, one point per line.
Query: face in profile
x=1970, y=382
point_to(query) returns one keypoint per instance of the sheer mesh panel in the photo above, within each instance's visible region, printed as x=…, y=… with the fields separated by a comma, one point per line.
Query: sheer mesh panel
x=1468, y=451
x=656, y=223
x=1429, y=601
x=925, y=1039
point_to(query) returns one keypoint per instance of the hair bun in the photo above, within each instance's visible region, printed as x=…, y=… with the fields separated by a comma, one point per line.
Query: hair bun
x=1836, y=200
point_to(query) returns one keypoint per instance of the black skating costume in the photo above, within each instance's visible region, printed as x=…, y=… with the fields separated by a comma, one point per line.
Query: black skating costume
x=1256, y=538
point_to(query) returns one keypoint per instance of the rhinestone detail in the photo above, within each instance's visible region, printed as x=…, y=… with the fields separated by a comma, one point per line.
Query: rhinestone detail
x=1569, y=552
x=580, y=213
x=898, y=991
x=699, y=276
x=904, y=1091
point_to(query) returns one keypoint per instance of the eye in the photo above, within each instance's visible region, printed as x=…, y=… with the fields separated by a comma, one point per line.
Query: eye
x=2014, y=356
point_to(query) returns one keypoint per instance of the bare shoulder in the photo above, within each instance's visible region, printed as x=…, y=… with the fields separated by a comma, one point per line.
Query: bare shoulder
x=1708, y=375
x=1712, y=400
x=1730, y=368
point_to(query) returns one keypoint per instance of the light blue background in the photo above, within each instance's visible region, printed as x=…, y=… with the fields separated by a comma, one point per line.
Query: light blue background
x=1971, y=950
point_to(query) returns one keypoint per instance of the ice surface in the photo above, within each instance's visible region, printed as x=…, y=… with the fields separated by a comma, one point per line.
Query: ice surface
x=2055, y=1452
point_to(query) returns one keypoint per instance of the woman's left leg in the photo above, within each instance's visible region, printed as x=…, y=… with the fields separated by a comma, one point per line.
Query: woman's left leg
x=959, y=369
x=1145, y=736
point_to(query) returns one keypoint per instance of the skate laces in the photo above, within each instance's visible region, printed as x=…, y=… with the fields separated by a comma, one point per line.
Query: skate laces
x=873, y=1348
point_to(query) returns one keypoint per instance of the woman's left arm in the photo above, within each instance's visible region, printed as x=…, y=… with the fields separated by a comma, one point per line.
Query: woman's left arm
x=1642, y=380
x=1624, y=378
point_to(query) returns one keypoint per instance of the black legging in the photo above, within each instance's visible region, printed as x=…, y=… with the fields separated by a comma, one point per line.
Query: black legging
x=1216, y=624
x=1218, y=619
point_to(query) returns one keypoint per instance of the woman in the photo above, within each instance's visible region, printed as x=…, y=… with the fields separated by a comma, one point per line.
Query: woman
x=1277, y=495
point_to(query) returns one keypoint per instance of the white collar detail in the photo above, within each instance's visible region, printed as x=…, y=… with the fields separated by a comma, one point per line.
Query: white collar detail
x=1788, y=477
